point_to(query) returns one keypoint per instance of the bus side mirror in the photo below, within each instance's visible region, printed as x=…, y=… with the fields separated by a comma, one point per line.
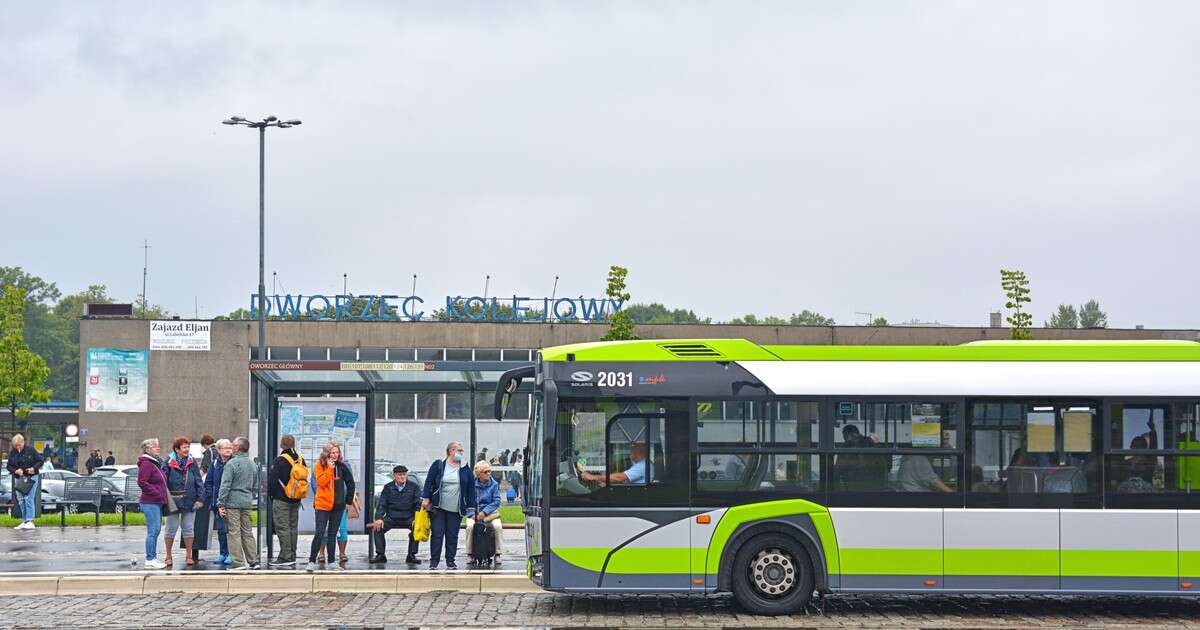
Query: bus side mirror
x=508, y=384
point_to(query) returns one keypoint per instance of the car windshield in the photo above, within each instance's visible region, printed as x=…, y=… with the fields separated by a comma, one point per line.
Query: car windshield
x=105, y=472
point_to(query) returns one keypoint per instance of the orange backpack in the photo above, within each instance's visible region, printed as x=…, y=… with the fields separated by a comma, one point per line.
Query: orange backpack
x=297, y=485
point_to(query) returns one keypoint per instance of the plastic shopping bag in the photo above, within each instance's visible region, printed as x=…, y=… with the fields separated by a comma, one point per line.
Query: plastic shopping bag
x=421, y=526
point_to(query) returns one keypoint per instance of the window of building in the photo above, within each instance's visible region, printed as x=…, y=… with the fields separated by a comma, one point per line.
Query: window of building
x=515, y=354
x=431, y=354
x=458, y=354
x=372, y=354
x=1148, y=462
x=1034, y=454
x=431, y=406
x=343, y=354
x=458, y=405
x=283, y=353
x=487, y=354
x=401, y=355
x=314, y=354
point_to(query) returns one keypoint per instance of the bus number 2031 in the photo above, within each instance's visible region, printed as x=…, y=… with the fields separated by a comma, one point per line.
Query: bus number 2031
x=614, y=379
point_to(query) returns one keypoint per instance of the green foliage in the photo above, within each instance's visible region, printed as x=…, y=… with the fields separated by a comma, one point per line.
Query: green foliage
x=236, y=314
x=23, y=374
x=620, y=324
x=656, y=313
x=87, y=519
x=145, y=310
x=803, y=318
x=1016, y=289
x=1090, y=315
x=1066, y=317
x=879, y=321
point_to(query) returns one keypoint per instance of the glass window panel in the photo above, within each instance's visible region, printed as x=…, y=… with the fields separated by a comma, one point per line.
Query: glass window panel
x=896, y=425
x=372, y=354
x=458, y=354
x=314, y=354
x=431, y=354
x=884, y=472
x=431, y=406
x=284, y=353
x=487, y=354
x=401, y=354
x=458, y=405
x=515, y=354
x=759, y=472
x=380, y=405
x=1152, y=474
x=343, y=354
x=1034, y=448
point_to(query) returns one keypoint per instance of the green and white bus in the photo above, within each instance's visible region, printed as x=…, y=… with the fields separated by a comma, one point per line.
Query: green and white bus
x=775, y=472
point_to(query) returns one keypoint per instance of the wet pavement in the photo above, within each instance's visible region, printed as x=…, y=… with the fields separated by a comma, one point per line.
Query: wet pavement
x=114, y=548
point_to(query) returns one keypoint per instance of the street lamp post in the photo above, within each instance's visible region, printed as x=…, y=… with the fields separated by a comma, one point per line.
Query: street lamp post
x=261, y=126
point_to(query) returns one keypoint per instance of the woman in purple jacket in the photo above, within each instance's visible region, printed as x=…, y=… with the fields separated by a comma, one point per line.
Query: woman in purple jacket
x=153, y=499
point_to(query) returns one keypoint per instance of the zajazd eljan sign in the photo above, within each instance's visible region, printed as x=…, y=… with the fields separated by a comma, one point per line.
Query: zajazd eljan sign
x=180, y=335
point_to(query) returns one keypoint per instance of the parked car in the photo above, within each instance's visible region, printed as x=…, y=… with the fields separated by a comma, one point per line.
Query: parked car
x=49, y=501
x=114, y=484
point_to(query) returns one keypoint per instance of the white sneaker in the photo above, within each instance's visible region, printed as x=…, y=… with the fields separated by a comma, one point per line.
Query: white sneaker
x=30, y=525
x=20, y=526
x=310, y=567
x=155, y=564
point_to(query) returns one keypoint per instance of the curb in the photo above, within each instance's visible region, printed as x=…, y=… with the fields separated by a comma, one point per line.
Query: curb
x=265, y=583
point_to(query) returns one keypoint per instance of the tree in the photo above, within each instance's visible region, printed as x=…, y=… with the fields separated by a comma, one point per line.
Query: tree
x=37, y=291
x=64, y=365
x=1016, y=289
x=1090, y=315
x=23, y=374
x=879, y=321
x=750, y=319
x=620, y=324
x=236, y=314
x=810, y=318
x=145, y=310
x=656, y=313
x=1066, y=317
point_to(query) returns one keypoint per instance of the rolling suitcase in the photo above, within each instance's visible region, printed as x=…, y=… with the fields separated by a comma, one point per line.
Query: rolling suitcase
x=483, y=543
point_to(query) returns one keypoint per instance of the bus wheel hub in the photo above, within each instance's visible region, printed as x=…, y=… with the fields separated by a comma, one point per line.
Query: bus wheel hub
x=773, y=572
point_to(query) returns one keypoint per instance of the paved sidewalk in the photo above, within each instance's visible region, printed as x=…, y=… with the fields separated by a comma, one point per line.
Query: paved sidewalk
x=114, y=548
x=492, y=610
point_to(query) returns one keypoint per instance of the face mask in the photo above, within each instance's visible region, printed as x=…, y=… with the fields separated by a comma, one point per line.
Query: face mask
x=458, y=457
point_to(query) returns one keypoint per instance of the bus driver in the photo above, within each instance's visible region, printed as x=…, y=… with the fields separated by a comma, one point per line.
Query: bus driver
x=635, y=474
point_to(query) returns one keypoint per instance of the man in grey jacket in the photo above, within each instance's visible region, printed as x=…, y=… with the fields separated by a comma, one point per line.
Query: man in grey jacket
x=235, y=501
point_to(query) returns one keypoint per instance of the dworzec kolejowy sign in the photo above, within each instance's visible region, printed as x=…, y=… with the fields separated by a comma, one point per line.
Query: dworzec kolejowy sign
x=180, y=335
x=117, y=380
x=457, y=308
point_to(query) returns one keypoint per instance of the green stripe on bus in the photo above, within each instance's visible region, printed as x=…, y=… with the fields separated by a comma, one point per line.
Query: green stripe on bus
x=590, y=558
x=1141, y=563
x=824, y=525
x=717, y=350
x=1039, y=562
x=879, y=561
x=1189, y=564
x=1001, y=351
x=636, y=560
x=737, y=515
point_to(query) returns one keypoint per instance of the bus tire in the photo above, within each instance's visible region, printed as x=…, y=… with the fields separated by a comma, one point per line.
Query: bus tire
x=772, y=574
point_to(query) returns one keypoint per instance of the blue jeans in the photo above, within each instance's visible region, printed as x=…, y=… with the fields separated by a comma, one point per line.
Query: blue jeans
x=443, y=525
x=28, y=502
x=153, y=514
x=222, y=532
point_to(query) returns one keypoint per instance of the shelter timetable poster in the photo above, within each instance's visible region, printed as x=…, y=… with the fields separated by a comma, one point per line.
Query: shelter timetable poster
x=117, y=380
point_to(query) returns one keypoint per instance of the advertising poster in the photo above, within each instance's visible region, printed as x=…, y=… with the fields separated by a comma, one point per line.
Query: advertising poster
x=318, y=420
x=117, y=380
x=291, y=418
x=176, y=335
x=344, y=422
x=1039, y=429
x=926, y=426
x=1077, y=431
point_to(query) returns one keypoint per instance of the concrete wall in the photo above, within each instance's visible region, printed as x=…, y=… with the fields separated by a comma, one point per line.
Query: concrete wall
x=208, y=392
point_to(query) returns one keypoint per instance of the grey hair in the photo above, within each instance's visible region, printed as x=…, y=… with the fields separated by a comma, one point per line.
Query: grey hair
x=481, y=466
x=147, y=444
x=18, y=438
x=242, y=443
x=223, y=442
x=450, y=446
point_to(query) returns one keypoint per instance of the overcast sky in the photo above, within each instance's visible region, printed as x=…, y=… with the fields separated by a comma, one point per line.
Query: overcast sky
x=880, y=157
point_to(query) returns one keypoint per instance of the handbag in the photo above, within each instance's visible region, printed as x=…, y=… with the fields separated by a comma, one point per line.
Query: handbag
x=354, y=509
x=22, y=485
x=171, y=506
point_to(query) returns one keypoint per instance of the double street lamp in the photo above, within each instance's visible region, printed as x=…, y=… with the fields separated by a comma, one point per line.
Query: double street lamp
x=261, y=126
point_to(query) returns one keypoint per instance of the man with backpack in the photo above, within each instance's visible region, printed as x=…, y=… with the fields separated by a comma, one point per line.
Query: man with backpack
x=288, y=483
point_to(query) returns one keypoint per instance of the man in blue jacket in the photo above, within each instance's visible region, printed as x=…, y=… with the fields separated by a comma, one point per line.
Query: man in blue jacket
x=449, y=491
x=212, y=484
x=398, y=503
x=487, y=492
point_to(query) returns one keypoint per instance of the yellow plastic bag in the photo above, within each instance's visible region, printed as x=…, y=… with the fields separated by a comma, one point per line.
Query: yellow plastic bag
x=421, y=526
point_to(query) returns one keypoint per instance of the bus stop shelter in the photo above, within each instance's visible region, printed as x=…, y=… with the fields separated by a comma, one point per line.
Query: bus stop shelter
x=333, y=401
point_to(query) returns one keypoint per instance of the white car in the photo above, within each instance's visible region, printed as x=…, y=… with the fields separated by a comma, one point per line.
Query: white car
x=55, y=481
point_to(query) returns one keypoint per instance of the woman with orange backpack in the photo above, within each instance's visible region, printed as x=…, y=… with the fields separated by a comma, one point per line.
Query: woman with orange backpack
x=334, y=491
x=288, y=485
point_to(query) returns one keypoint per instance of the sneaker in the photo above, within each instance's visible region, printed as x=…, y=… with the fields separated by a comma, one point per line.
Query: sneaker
x=411, y=560
x=310, y=567
x=433, y=567
x=496, y=560
x=155, y=564
x=284, y=563
x=29, y=525
x=241, y=567
x=450, y=566
x=20, y=526
x=338, y=567
x=228, y=560
x=378, y=559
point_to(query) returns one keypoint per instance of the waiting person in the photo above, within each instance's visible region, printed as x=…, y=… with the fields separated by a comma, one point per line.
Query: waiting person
x=286, y=509
x=153, y=498
x=398, y=503
x=343, y=532
x=25, y=464
x=210, y=452
x=187, y=491
x=449, y=489
x=235, y=501
x=93, y=462
x=212, y=487
x=487, y=495
x=110, y=460
x=334, y=490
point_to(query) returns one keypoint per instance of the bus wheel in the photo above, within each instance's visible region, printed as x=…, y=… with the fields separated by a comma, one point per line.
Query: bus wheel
x=772, y=575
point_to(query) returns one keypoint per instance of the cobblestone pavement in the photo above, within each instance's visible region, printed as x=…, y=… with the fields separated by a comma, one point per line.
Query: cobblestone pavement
x=542, y=610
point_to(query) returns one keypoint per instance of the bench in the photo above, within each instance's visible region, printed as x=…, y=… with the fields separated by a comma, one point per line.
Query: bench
x=81, y=491
x=130, y=497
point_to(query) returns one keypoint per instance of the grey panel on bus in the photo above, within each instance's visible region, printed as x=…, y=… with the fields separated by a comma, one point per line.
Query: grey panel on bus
x=647, y=581
x=889, y=582
x=1001, y=582
x=564, y=575
x=1119, y=584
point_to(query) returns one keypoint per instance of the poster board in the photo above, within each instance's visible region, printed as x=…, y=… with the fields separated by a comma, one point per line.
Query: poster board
x=1039, y=432
x=315, y=423
x=926, y=426
x=1077, y=432
x=117, y=380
